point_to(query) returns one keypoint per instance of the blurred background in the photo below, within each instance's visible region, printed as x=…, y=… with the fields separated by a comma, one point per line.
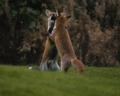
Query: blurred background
x=94, y=29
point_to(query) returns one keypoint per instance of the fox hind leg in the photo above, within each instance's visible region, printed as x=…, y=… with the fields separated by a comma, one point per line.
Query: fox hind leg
x=65, y=64
x=78, y=65
x=43, y=64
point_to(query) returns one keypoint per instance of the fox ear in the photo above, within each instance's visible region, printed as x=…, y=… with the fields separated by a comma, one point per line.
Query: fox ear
x=48, y=12
x=59, y=11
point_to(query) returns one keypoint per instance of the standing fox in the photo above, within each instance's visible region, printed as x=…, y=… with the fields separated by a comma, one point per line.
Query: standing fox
x=64, y=44
x=48, y=61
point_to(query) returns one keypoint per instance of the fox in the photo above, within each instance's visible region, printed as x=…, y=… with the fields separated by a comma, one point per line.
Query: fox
x=48, y=61
x=64, y=44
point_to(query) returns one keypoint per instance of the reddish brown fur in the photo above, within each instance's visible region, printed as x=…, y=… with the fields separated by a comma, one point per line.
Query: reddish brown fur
x=64, y=46
x=46, y=51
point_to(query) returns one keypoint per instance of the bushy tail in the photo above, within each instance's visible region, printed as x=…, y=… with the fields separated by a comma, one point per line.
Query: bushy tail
x=78, y=64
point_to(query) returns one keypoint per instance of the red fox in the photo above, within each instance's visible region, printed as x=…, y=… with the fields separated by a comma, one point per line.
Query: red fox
x=48, y=61
x=64, y=44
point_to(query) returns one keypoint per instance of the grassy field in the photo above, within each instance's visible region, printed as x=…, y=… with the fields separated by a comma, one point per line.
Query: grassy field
x=19, y=81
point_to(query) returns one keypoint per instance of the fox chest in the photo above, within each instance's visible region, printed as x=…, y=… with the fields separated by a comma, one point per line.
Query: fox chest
x=63, y=45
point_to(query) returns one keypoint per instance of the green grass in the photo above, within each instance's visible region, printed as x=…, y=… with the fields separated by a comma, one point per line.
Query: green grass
x=19, y=81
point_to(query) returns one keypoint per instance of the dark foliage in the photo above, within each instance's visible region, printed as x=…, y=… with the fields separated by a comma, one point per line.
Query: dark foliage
x=94, y=29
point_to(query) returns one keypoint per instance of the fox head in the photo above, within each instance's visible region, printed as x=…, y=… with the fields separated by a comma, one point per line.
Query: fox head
x=55, y=18
x=51, y=20
x=62, y=18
